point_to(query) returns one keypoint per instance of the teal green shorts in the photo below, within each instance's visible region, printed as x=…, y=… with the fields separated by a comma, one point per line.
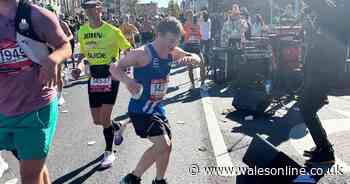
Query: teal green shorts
x=30, y=135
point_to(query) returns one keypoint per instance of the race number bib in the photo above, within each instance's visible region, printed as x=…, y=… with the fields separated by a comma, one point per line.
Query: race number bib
x=158, y=89
x=13, y=60
x=100, y=85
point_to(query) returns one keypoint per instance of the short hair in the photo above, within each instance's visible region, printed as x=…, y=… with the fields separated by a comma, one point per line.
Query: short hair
x=170, y=25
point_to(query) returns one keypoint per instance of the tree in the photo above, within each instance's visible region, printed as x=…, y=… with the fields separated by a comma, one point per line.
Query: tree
x=173, y=9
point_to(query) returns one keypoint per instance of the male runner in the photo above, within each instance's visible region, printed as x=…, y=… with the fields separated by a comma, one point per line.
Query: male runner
x=100, y=44
x=28, y=102
x=152, y=65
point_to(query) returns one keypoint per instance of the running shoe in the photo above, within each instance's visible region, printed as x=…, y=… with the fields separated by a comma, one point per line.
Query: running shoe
x=130, y=179
x=107, y=161
x=322, y=156
x=118, y=132
x=163, y=181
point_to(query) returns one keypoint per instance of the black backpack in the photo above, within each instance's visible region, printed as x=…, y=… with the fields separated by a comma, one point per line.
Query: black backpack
x=23, y=22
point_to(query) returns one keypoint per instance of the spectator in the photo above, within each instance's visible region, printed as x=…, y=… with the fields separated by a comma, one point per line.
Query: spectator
x=258, y=25
x=129, y=30
x=234, y=27
x=205, y=29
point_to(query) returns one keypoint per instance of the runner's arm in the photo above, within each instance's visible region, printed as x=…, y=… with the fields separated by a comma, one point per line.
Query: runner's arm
x=67, y=30
x=132, y=58
x=182, y=56
x=44, y=20
x=81, y=55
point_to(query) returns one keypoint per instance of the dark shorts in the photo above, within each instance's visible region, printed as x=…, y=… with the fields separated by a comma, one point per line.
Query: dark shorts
x=29, y=136
x=147, y=125
x=97, y=99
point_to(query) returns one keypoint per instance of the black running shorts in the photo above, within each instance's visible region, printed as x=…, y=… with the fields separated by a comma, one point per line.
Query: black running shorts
x=147, y=125
x=97, y=99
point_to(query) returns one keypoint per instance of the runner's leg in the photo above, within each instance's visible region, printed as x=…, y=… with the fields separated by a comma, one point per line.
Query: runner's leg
x=60, y=84
x=163, y=160
x=32, y=171
x=108, y=131
x=45, y=175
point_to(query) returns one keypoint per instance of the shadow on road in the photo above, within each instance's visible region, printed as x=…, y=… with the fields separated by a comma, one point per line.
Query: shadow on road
x=184, y=97
x=75, y=83
x=276, y=128
x=81, y=179
x=121, y=117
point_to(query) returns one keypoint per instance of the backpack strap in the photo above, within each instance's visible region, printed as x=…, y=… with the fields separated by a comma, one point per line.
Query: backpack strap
x=24, y=22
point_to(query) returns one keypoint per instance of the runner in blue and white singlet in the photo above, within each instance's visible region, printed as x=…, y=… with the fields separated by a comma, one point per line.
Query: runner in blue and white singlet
x=154, y=79
x=151, y=76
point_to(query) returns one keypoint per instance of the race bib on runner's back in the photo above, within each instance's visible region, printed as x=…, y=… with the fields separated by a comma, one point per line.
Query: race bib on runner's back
x=158, y=89
x=100, y=85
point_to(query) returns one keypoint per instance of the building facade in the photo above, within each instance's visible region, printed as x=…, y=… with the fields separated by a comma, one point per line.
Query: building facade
x=65, y=7
x=195, y=5
x=150, y=9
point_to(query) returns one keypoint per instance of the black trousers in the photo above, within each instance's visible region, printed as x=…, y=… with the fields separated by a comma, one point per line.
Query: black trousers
x=312, y=100
x=321, y=70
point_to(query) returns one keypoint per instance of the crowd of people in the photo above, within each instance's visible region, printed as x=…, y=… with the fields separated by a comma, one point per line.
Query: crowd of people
x=29, y=98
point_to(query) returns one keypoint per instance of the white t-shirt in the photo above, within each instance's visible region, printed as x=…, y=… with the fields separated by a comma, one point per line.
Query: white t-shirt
x=205, y=28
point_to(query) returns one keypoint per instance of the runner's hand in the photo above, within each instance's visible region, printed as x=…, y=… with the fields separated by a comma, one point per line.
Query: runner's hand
x=48, y=74
x=133, y=87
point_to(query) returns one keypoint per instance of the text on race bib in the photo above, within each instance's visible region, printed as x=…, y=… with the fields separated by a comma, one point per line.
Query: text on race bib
x=158, y=89
x=101, y=85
